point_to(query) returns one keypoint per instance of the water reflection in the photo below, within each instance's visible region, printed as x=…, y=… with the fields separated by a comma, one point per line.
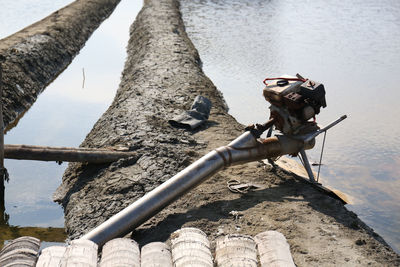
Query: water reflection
x=350, y=46
x=62, y=116
x=16, y=15
x=9, y=232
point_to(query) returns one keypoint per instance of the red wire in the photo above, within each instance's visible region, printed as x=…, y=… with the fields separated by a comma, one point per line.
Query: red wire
x=282, y=78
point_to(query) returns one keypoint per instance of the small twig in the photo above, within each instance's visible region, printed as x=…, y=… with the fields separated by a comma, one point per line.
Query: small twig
x=83, y=82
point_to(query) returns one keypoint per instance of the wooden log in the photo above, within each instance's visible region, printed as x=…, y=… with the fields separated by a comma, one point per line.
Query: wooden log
x=121, y=252
x=273, y=249
x=236, y=250
x=80, y=253
x=60, y=154
x=190, y=247
x=2, y=170
x=107, y=149
x=51, y=256
x=156, y=254
x=22, y=251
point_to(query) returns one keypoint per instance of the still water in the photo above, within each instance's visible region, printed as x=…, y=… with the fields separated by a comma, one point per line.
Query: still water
x=353, y=47
x=65, y=112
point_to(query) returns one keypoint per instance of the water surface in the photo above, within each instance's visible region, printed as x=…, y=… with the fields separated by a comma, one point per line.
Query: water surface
x=65, y=112
x=350, y=46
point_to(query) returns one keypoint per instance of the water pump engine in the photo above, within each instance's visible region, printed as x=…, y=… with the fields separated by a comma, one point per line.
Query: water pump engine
x=294, y=101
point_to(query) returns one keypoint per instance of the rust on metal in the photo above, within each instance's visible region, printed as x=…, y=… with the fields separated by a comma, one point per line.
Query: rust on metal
x=221, y=154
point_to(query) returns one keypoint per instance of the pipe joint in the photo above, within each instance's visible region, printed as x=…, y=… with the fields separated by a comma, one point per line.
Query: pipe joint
x=225, y=153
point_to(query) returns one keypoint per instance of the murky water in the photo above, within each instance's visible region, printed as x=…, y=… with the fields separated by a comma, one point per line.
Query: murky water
x=350, y=46
x=65, y=112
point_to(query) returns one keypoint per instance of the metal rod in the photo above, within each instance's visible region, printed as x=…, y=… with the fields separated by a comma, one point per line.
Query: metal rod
x=320, y=158
x=307, y=165
x=326, y=128
x=244, y=149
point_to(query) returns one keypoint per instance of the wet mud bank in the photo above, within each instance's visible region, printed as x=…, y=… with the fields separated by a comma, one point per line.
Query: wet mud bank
x=162, y=76
x=36, y=55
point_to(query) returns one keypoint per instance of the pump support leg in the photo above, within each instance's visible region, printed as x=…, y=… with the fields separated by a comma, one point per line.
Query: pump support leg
x=307, y=165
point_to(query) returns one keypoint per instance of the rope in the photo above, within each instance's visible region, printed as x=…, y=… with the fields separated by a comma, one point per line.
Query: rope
x=236, y=186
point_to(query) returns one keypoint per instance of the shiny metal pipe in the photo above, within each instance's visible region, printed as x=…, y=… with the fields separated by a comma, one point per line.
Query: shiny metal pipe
x=244, y=149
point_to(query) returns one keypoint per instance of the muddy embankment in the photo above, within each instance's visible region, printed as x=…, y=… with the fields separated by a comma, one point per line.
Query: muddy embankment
x=36, y=55
x=162, y=76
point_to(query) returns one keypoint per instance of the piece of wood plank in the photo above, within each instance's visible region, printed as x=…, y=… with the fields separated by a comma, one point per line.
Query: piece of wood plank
x=92, y=155
x=51, y=256
x=236, y=250
x=79, y=253
x=107, y=149
x=156, y=254
x=21, y=250
x=121, y=252
x=190, y=247
x=273, y=249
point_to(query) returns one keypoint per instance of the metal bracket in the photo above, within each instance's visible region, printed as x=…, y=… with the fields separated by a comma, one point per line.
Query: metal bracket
x=307, y=166
x=310, y=137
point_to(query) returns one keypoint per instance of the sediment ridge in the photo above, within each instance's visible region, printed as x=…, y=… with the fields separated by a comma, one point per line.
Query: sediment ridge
x=37, y=54
x=162, y=76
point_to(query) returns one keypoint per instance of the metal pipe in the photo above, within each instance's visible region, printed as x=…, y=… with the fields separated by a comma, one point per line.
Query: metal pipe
x=244, y=149
x=326, y=128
